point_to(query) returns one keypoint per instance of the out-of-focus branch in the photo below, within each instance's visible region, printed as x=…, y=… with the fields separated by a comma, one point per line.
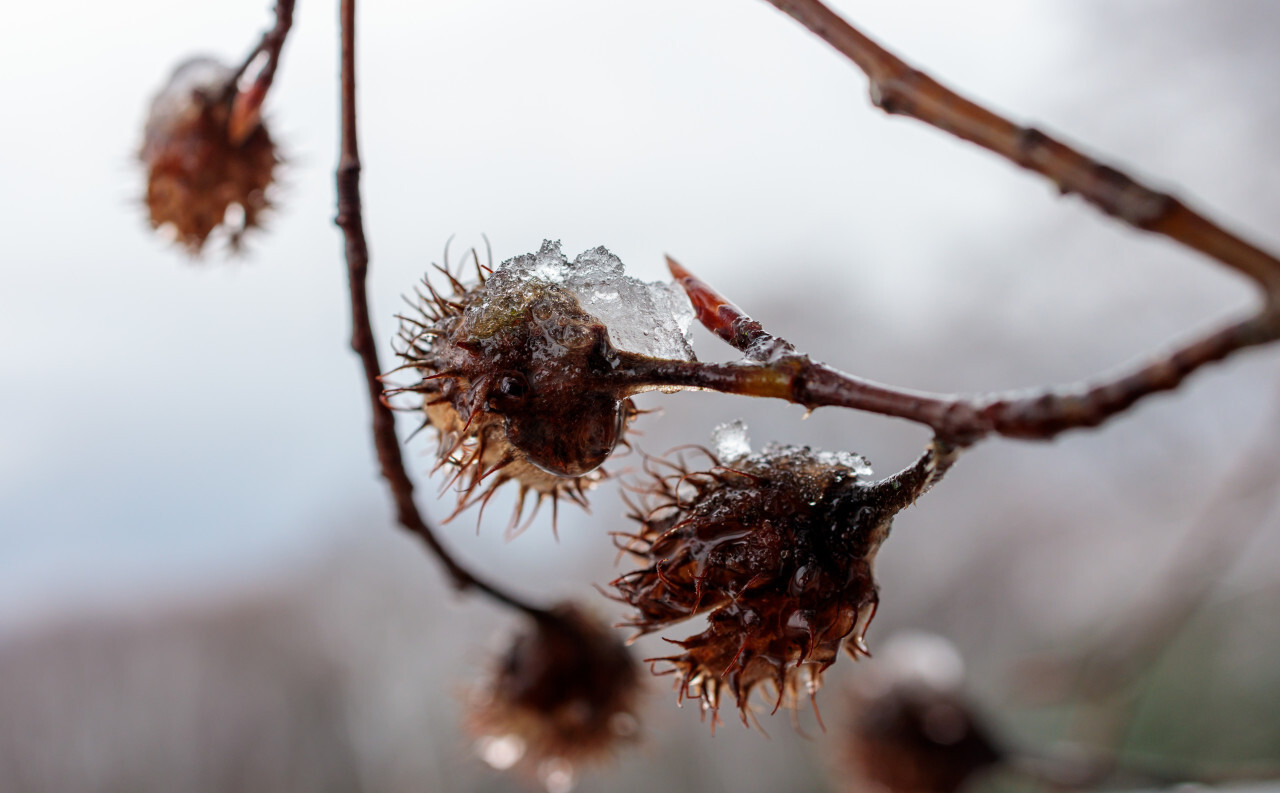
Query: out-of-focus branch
x=899, y=89
x=351, y=221
x=1217, y=540
x=1066, y=767
x=271, y=44
x=1142, y=630
x=246, y=102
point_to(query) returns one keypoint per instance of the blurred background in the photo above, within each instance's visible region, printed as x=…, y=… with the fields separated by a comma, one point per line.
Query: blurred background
x=201, y=585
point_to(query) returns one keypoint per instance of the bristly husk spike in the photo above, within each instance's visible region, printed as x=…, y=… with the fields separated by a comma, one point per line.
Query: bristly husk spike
x=458, y=288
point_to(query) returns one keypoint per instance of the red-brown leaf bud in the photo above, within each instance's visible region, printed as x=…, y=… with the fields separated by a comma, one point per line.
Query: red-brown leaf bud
x=209, y=158
x=563, y=695
x=777, y=546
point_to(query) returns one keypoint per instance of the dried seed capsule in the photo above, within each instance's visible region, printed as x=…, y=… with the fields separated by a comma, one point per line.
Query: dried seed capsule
x=516, y=371
x=778, y=546
x=563, y=695
x=209, y=158
x=911, y=729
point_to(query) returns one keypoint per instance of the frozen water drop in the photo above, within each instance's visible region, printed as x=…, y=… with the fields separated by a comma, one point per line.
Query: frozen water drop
x=624, y=725
x=924, y=658
x=501, y=752
x=854, y=462
x=730, y=441
x=557, y=775
x=234, y=216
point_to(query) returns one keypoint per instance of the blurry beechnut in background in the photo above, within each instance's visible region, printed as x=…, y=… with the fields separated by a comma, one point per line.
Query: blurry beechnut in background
x=210, y=162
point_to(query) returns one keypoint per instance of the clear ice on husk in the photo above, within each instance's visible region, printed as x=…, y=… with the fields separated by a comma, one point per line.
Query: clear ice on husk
x=651, y=319
x=854, y=462
x=730, y=441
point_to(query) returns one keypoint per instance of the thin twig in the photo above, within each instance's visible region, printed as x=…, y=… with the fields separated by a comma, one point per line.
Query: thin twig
x=272, y=43
x=774, y=369
x=899, y=89
x=351, y=221
x=905, y=487
x=246, y=102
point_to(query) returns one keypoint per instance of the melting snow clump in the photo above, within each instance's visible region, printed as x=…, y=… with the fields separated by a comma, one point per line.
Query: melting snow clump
x=651, y=319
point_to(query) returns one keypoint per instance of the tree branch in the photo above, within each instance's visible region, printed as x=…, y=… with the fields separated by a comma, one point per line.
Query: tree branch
x=905, y=487
x=773, y=368
x=246, y=103
x=899, y=89
x=272, y=43
x=350, y=220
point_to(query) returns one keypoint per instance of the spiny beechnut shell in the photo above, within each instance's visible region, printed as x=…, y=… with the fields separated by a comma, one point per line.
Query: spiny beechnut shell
x=563, y=695
x=208, y=157
x=910, y=728
x=515, y=370
x=776, y=547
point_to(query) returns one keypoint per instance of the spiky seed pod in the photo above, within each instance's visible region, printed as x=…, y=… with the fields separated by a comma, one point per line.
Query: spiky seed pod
x=206, y=151
x=563, y=695
x=911, y=730
x=503, y=411
x=778, y=546
x=515, y=377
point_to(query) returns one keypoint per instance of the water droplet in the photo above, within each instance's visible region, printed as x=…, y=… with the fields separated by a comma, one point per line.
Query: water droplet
x=557, y=775
x=730, y=441
x=501, y=752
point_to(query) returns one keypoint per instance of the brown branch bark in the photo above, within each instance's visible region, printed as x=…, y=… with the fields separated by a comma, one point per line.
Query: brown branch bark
x=899, y=89
x=350, y=220
x=905, y=487
x=773, y=368
x=272, y=43
x=245, y=102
